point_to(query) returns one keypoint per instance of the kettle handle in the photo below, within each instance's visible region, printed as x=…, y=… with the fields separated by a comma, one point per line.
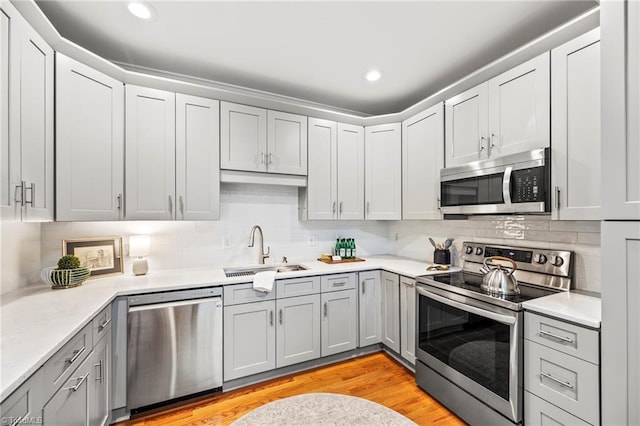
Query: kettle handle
x=514, y=266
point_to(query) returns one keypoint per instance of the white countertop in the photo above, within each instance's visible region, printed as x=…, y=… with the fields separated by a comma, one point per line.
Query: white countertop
x=568, y=306
x=37, y=321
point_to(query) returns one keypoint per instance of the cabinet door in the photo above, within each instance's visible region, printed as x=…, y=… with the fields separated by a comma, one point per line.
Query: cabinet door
x=519, y=108
x=408, y=319
x=466, y=126
x=350, y=169
x=621, y=110
x=36, y=125
x=575, y=130
x=249, y=339
x=620, y=338
x=197, y=158
x=298, y=332
x=99, y=383
x=69, y=405
x=322, y=182
x=383, y=177
x=339, y=319
x=369, y=313
x=150, y=154
x=10, y=205
x=422, y=159
x=391, y=310
x=24, y=405
x=89, y=143
x=243, y=138
x=286, y=143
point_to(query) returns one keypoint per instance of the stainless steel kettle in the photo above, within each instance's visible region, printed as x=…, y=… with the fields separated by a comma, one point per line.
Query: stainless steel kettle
x=499, y=279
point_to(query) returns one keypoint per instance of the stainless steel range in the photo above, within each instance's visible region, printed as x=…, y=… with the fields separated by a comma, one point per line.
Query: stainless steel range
x=469, y=342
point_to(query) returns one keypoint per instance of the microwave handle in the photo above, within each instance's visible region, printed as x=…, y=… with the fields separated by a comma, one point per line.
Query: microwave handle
x=504, y=319
x=506, y=186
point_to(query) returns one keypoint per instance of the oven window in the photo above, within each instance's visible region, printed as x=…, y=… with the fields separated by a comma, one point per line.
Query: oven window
x=473, y=191
x=471, y=344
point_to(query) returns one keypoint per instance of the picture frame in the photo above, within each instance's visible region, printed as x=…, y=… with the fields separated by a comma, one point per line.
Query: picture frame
x=102, y=255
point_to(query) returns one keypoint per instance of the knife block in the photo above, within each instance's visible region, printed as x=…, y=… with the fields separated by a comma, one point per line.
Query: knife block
x=442, y=257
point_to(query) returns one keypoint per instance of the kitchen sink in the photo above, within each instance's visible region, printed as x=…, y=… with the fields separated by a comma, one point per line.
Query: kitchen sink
x=252, y=270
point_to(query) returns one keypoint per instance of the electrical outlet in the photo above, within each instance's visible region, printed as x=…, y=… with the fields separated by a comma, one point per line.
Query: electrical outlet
x=396, y=236
x=226, y=242
x=313, y=240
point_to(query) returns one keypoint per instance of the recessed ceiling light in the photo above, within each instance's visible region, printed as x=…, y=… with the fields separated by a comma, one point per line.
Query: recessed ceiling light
x=373, y=75
x=142, y=10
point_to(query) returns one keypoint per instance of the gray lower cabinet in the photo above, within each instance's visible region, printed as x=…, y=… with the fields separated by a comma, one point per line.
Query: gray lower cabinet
x=408, y=319
x=24, y=405
x=298, y=331
x=99, y=387
x=339, y=321
x=369, y=304
x=390, y=285
x=249, y=339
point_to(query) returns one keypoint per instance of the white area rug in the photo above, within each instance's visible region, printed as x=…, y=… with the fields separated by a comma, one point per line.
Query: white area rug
x=322, y=409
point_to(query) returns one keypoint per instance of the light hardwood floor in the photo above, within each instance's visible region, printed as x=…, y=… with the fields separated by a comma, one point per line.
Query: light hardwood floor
x=375, y=377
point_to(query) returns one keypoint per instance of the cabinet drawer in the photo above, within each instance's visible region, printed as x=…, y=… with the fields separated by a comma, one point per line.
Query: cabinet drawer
x=24, y=405
x=297, y=287
x=60, y=366
x=565, y=381
x=338, y=282
x=244, y=293
x=568, y=338
x=539, y=412
x=101, y=324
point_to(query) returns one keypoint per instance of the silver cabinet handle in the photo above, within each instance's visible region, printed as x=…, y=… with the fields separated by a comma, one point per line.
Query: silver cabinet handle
x=491, y=144
x=104, y=324
x=555, y=336
x=21, y=192
x=262, y=157
x=439, y=203
x=99, y=365
x=77, y=386
x=271, y=317
x=558, y=381
x=482, y=139
x=75, y=356
x=181, y=204
x=557, y=197
x=270, y=161
x=363, y=282
x=340, y=208
x=408, y=283
x=368, y=205
x=333, y=209
x=119, y=200
x=170, y=205
x=339, y=284
x=280, y=315
x=31, y=188
x=325, y=309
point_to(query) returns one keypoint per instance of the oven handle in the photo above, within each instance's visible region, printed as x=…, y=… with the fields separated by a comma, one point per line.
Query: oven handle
x=505, y=319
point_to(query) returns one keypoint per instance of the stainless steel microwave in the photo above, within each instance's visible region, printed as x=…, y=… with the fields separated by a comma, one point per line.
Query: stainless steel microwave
x=517, y=183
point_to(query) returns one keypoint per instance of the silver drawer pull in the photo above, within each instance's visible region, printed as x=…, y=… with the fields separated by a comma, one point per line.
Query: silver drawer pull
x=99, y=365
x=104, y=324
x=555, y=336
x=77, y=386
x=560, y=382
x=76, y=355
x=407, y=283
x=339, y=284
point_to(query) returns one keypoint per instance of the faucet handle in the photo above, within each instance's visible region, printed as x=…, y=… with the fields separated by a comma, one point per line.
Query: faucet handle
x=284, y=259
x=266, y=255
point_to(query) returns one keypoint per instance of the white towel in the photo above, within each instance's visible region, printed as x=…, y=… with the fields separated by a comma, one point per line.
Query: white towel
x=263, y=281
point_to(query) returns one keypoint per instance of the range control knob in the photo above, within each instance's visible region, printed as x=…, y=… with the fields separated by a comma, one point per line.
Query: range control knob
x=468, y=249
x=540, y=258
x=557, y=260
x=479, y=251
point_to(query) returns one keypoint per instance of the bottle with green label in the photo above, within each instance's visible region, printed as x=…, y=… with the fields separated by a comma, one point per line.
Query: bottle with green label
x=348, y=248
x=336, y=249
x=343, y=248
x=353, y=248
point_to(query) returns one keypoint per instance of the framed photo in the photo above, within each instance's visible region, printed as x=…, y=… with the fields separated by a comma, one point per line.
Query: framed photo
x=103, y=256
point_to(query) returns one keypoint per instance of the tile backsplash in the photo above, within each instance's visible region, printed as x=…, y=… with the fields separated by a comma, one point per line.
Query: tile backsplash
x=177, y=244
x=410, y=239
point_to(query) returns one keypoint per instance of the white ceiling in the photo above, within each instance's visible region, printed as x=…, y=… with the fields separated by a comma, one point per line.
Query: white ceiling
x=316, y=51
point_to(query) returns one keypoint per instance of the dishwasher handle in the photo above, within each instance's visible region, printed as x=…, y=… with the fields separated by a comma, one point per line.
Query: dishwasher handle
x=154, y=306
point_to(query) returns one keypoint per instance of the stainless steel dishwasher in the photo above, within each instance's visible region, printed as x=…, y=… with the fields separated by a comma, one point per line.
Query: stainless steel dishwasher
x=174, y=346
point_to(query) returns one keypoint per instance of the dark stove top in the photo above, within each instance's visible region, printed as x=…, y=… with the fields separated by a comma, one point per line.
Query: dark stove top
x=468, y=284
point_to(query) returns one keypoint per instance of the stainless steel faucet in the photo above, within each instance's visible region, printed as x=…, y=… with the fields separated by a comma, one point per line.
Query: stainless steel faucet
x=262, y=255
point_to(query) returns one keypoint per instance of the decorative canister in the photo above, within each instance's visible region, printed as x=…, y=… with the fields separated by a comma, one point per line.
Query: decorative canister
x=442, y=257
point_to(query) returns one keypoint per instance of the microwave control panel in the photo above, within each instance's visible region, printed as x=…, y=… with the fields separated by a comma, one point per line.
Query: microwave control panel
x=528, y=185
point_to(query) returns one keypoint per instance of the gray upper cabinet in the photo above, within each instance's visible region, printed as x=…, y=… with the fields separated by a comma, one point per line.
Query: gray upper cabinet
x=575, y=130
x=383, y=174
x=422, y=159
x=256, y=140
x=369, y=308
x=508, y=114
x=26, y=121
x=391, y=310
x=197, y=158
x=89, y=143
x=150, y=158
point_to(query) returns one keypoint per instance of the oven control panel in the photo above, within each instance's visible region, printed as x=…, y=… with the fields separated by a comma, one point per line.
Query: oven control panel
x=548, y=261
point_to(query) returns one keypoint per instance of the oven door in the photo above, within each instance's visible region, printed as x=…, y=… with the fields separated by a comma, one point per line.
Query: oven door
x=475, y=345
